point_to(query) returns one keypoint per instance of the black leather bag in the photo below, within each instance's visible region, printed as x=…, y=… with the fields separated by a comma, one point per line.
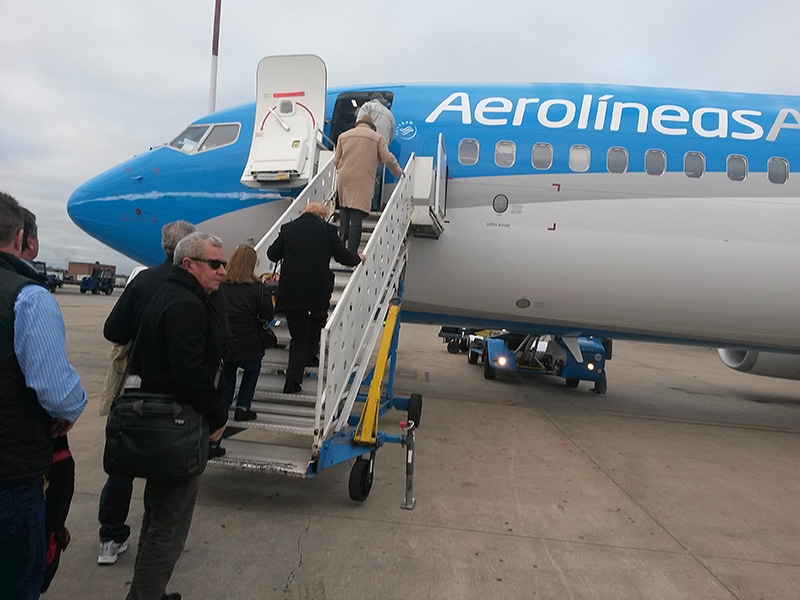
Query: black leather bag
x=268, y=337
x=155, y=436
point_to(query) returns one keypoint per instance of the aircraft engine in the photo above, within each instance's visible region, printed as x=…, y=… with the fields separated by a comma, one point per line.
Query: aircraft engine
x=768, y=364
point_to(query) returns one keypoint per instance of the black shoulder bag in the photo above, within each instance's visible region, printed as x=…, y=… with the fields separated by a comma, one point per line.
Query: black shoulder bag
x=154, y=436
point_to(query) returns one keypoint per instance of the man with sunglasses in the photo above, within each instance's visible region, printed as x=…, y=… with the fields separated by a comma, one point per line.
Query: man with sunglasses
x=179, y=350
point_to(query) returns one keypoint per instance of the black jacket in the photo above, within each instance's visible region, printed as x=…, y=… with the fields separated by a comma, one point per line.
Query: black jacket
x=124, y=319
x=180, y=346
x=26, y=449
x=306, y=246
x=243, y=304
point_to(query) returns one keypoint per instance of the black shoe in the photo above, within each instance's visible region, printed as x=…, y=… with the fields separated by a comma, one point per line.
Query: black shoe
x=597, y=390
x=312, y=361
x=213, y=452
x=171, y=597
x=244, y=414
x=292, y=388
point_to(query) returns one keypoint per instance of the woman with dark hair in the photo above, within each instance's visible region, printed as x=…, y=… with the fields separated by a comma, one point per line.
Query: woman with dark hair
x=246, y=301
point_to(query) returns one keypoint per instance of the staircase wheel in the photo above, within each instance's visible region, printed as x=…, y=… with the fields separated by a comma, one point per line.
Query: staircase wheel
x=360, y=479
x=415, y=408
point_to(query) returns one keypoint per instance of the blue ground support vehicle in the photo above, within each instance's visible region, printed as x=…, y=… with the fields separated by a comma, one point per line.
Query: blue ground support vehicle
x=101, y=280
x=574, y=359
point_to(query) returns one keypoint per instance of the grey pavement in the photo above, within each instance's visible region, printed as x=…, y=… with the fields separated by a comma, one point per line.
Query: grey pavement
x=682, y=482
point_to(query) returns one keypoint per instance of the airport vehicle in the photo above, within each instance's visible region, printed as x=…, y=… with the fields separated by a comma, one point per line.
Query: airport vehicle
x=456, y=338
x=563, y=209
x=101, y=280
x=574, y=359
x=52, y=281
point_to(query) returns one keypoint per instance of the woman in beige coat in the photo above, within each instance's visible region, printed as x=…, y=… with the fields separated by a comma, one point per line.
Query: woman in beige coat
x=358, y=153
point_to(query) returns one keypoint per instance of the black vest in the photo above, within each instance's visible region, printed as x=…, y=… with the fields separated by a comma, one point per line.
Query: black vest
x=26, y=449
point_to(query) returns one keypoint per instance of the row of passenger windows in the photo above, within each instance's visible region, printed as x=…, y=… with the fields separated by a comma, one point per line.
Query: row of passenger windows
x=655, y=161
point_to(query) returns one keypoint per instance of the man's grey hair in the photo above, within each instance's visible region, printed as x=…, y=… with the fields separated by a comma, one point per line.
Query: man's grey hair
x=174, y=232
x=194, y=246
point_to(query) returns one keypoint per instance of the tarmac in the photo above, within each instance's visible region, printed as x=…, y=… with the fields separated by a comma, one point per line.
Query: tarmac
x=682, y=482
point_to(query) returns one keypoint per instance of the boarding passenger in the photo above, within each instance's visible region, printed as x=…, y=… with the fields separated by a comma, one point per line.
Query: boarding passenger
x=378, y=110
x=306, y=246
x=246, y=300
x=120, y=328
x=358, y=153
x=40, y=399
x=179, y=349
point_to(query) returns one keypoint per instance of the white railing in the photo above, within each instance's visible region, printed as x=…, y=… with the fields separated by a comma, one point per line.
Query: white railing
x=352, y=331
x=321, y=188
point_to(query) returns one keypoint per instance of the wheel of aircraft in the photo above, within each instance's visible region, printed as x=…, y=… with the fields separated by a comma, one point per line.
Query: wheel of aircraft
x=572, y=383
x=453, y=346
x=360, y=479
x=415, y=408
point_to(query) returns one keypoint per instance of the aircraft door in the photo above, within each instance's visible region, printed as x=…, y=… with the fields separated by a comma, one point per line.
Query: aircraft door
x=290, y=114
x=440, y=193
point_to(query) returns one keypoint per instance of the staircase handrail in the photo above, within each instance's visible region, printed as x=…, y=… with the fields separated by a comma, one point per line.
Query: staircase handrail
x=352, y=331
x=321, y=188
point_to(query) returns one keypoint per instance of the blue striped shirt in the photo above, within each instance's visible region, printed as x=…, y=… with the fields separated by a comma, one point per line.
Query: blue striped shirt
x=39, y=343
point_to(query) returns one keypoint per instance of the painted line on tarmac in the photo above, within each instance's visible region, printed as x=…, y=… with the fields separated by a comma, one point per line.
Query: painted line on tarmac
x=706, y=423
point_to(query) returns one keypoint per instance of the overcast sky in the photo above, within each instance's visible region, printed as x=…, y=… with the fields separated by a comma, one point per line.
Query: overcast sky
x=87, y=84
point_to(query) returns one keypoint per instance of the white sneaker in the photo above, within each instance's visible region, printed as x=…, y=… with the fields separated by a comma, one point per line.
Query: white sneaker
x=109, y=552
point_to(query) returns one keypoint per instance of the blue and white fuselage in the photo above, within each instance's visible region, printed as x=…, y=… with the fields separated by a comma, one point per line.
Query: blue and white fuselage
x=571, y=209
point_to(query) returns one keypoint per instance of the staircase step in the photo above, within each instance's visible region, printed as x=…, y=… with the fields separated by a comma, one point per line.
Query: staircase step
x=295, y=424
x=245, y=455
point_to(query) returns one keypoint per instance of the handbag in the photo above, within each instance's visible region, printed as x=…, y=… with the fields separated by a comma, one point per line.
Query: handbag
x=265, y=333
x=155, y=436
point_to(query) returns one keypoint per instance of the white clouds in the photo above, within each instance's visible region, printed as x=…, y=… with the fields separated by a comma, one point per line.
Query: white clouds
x=88, y=84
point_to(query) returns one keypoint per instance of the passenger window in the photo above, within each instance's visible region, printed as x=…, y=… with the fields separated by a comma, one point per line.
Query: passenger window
x=737, y=167
x=655, y=162
x=505, y=154
x=694, y=164
x=542, y=156
x=778, y=170
x=220, y=135
x=189, y=138
x=579, y=158
x=468, y=152
x=617, y=160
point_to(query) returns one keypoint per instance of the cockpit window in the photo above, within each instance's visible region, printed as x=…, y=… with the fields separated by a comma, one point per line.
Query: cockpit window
x=200, y=138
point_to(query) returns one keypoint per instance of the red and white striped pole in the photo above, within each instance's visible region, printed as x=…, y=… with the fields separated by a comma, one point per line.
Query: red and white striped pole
x=212, y=92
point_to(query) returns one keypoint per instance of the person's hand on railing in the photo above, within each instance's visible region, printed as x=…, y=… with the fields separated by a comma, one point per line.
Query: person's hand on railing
x=362, y=257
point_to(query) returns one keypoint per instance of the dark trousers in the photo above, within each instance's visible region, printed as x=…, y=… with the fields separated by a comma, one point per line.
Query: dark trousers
x=22, y=539
x=305, y=327
x=350, y=226
x=115, y=501
x=251, y=369
x=168, y=510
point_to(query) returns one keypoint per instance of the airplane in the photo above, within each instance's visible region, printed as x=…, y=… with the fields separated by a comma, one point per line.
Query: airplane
x=621, y=212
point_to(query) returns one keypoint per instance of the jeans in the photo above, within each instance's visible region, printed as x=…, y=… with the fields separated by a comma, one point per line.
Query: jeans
x=350, y=226
x=251, y=369
x=168, y=510
x=23, y=540
x=115, y=500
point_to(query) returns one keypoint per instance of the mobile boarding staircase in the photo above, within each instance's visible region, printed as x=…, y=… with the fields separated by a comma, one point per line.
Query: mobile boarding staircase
x=332, y=420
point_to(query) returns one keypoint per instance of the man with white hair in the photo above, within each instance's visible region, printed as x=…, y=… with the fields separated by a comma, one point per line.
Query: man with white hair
x=179, y=350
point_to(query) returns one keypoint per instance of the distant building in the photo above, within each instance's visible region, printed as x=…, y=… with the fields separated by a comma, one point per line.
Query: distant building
x=79, y=270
